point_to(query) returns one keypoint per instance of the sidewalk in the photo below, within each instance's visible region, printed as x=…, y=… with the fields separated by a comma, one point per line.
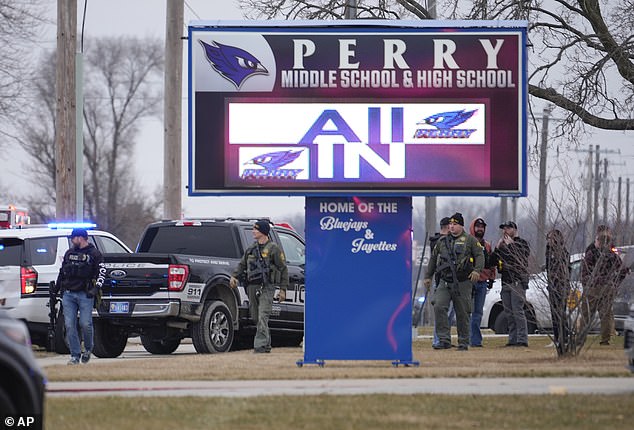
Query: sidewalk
x=452, y=386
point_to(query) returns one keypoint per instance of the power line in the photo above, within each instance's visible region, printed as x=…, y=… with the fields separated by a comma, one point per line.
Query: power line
x=191, y=9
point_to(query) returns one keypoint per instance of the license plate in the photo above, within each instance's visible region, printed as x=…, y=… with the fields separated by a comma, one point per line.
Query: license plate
x=119, y=307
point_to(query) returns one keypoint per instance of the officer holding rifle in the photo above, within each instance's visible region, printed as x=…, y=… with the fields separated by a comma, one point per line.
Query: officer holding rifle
x=262, y=268
x=459, y=259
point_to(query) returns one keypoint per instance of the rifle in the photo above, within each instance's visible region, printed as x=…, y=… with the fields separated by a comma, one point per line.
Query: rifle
x=424, y=302
x=52, y=316
x=420, y=266
x=451, y=262
x=263, y=268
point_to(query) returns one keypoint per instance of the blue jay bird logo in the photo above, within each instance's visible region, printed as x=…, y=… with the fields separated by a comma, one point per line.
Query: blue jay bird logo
x=233, y=63
x=445, y=124
x=275, y=160
x=448, y=120
x=272, y=163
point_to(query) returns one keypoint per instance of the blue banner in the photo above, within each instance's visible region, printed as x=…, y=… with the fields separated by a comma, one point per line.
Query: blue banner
x=358, y=279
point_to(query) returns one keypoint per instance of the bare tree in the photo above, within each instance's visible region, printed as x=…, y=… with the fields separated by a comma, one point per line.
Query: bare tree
x=567, y=214
x=19, y=23
x=122, y=87
x=118, y=95
x=581, y=57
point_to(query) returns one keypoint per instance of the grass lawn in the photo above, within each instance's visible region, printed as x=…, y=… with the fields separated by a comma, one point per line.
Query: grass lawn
x=494, y=360
x=366, y=412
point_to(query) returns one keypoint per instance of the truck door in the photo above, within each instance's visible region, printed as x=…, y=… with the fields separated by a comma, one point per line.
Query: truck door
x=294, y=250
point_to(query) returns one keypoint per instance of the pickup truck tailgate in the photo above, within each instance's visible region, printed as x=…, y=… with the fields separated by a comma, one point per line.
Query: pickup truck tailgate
x=135, y=275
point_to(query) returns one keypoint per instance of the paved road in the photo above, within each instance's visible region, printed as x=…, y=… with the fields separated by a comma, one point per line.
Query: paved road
x=493, y=386
x=133, y=350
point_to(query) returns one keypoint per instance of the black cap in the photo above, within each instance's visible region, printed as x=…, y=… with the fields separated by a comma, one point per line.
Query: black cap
x=444, y=221
x=479, y=221
x=263, y=226
x=79, y=232
x=457, y=219
x=509, y=224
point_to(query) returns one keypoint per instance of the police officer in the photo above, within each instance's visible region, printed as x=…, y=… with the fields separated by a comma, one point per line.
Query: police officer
x=78, y=281
x=262, y=268
x=458, y=257
x=444, y=231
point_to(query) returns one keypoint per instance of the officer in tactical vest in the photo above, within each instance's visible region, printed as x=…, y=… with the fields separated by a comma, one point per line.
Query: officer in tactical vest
x=459, y=259
x=262, y=268
x=79, y=280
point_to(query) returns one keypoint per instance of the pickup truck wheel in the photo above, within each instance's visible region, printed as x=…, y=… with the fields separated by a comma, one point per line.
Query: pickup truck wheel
x=109, y=341
x=159, y=346
x=214, y=332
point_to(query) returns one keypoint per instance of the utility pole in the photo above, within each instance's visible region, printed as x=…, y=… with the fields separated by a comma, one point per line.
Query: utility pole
x=173, y=109
x=431, y=8
x=430, y=201
x=589, y=211
x=606, y=190
x=594, y=184
x=351, y=9
x=65, y=115
x=627, y=211
x=504, y=209
x=597, y=186
x=543, y=187
x=619, y=224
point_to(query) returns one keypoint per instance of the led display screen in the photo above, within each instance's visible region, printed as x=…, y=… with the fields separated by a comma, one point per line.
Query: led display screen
x=358, y=109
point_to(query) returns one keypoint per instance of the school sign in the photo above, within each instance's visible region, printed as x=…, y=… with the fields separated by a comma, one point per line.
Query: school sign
x=357, y=107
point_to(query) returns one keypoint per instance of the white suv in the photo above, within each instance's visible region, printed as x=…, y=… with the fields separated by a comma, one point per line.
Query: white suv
x=30, y=258
x=537, y=306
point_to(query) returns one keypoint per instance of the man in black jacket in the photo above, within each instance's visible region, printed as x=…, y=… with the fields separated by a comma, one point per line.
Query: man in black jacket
x=511, y=255
x=78, y=281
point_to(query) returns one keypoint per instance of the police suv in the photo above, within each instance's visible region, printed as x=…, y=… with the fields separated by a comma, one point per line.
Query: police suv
x=30, y=258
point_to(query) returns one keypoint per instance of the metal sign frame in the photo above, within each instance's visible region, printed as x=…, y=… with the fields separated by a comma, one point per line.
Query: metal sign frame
x=350, y=107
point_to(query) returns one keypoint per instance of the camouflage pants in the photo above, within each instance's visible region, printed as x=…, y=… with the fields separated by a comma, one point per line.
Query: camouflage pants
x=260, y=306
x=461, y=298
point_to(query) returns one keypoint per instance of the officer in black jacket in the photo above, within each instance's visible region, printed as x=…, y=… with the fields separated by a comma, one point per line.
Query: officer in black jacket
x=78, y=281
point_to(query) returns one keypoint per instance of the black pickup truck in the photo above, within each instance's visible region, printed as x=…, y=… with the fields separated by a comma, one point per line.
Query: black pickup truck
x=176, y=285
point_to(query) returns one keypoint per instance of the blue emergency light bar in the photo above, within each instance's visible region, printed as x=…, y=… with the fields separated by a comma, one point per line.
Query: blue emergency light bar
x=64, y=225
